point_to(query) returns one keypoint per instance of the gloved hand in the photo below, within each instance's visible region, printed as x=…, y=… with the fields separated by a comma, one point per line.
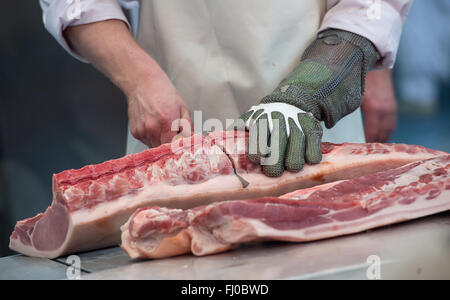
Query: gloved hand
x=327, y=85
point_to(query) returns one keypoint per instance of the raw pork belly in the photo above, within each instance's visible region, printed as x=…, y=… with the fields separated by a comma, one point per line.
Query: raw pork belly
x=411, y=191
x=90, y=204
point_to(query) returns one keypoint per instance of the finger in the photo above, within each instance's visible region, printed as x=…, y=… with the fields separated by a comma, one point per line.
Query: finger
x=254, y=118
x=243, y=120
x=253, y=144
x=387, y=123
x=167, y=136
x=371, y=126
x=182, y=125
x=168, y=130
x=263, y=135
x=150, y=142
x=139, y=133
x=239, y=123
x=258, y=139
x=295, y=152
x=313, y=136
x=152, y=136
x=273, y=165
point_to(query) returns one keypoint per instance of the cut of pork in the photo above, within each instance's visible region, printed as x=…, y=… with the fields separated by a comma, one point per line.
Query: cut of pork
x=343, y=207
x=90, y=204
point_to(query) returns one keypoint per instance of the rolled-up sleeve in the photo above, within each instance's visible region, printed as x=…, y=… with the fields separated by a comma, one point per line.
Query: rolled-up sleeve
x=60, y=14
x=379, y=21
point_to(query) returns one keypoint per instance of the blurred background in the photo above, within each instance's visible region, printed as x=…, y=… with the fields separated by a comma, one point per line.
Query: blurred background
x=57, y=113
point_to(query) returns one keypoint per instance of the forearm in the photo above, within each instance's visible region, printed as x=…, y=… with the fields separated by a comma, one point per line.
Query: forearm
x=154, y=105
x=111, y=48
x=379, y=106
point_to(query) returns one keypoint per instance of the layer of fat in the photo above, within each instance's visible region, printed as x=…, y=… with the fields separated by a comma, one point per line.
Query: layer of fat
x=393, y=214
x=173, y=196
x=339, y=169
x=98, y=227
x=405, y=179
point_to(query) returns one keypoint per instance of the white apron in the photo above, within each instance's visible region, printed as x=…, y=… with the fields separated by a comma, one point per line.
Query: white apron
x=223, y=56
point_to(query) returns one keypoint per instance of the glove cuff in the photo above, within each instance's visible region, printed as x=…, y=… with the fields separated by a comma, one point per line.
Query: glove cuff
x=332, y=110
x=329, y=81
x=371, y=55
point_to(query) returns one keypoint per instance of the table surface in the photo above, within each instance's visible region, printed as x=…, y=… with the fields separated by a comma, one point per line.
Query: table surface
x=418, y=249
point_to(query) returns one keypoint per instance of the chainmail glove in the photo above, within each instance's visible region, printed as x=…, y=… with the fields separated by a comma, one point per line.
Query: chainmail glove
x=327, y=85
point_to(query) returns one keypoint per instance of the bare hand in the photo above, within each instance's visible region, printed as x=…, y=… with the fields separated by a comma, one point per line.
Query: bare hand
x=379, y=106
x=153, y=110
x=153, y=102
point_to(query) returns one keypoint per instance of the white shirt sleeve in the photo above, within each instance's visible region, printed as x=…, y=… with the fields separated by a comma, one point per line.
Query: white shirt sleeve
x=380, y=21
x=60, y=14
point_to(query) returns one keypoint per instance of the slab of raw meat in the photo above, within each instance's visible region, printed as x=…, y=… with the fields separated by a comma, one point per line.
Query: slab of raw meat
x=343, y=207
x=90, y=204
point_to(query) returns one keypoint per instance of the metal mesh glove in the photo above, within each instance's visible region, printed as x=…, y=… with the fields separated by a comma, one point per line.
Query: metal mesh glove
x=329, y=81
x=327, y=85
x=282, y=136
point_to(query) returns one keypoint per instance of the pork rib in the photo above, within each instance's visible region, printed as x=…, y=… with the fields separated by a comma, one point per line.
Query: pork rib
x=90, y=204
x=343, y=207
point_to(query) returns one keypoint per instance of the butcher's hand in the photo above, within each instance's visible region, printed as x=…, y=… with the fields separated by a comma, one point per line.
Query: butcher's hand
x=155, y=108
x=327, y=85
x=379, y=106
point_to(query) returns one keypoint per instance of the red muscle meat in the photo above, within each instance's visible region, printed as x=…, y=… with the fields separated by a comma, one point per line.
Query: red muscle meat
x=343, y=207
x=90, y=204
